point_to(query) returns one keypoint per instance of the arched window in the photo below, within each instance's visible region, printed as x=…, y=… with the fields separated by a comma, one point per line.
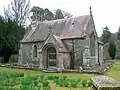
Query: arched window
x=92, y=44
x=35, y=51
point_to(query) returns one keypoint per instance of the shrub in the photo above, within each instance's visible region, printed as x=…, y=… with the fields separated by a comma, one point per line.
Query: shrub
x=73, y=84
x=64, y=77
x=56, y=77
x=90, y=84
x=39, y=87
x=24, y=87
x=78, y=79
x=35, y=82
x=84, y=83
x=26, y=81
x=61, y=84
x=35, y=78
x=2, y=88
x=112, y=49
x=45, y=83
x=21, y=74
x=66, y=84
x=46, y=88
x=42, y=76
x=50, y=77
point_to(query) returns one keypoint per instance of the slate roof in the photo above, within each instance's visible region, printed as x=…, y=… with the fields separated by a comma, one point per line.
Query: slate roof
x=74, y=27
x=61, y=45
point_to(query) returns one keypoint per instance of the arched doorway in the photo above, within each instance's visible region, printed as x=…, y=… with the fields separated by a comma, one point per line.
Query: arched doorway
x=51, y=57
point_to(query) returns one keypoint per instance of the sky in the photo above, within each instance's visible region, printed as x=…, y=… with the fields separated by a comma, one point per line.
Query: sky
x=105, y=12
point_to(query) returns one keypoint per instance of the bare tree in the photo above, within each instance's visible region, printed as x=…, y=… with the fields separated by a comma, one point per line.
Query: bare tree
x=18, y=10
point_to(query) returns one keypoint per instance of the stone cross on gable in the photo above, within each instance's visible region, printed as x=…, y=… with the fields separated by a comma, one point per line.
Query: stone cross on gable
x=50, y=29
x=90, y=10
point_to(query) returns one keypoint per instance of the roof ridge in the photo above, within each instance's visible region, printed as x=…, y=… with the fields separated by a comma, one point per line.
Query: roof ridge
x=60, y=27
x=63, y=19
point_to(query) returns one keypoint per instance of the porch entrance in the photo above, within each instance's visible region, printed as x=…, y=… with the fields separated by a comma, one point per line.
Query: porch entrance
x=51, y=57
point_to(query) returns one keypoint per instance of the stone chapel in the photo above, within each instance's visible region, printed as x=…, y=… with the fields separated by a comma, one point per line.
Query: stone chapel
x=64, y=43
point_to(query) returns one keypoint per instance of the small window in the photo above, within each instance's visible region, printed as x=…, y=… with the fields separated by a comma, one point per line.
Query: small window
x=35, y=51
x=73, y=23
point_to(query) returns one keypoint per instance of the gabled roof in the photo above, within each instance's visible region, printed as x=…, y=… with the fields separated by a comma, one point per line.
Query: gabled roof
x=61, y=45
x=56, y=41
x=74, y=27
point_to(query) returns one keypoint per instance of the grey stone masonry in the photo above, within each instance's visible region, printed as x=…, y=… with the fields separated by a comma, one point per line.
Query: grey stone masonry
x=73, y=42
x=105, y=83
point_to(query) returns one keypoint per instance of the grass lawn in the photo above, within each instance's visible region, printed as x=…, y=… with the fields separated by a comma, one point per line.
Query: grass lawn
x=113, y=72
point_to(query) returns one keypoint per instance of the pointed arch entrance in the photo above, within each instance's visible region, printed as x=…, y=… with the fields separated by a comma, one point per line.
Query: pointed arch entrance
x=51, y=57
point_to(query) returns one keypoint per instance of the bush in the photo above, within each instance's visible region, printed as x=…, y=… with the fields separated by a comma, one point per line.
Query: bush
x=26, y=81
x=73, y=83
x=56, y=77
x=39, y=87
x=21, y=74
x=84, y=83
x=2, y=88
x=90, y=84
x=35, y=82
x=42, y=76
x=112, y=49
x=46, y=88
x=79, y=80
x=45, y=83
x=66, y=84
x=64, y=77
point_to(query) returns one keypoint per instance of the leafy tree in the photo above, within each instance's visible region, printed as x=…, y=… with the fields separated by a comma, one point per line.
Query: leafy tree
x=106, y=35
x=10, y=35
x=48, y=15
x=18, y=10
x=36, y=12
x=58, y=14
x=118, y=34
x=66, y=14
x=41, y=14
x=112, y=49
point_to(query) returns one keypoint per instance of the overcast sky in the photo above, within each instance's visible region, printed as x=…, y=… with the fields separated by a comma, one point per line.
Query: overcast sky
x=105, y=12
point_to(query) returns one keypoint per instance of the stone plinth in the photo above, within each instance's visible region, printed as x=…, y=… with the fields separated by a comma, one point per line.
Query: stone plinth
x=105, y=83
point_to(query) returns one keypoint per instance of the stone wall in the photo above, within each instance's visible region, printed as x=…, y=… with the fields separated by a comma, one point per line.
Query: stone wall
x=118, y=49
x=89, y=60
x=96, y=51
x=64, y=60
x=101, y=53
x=80, y=58
x=105, y=52
x=78, y=51
x=26, y=54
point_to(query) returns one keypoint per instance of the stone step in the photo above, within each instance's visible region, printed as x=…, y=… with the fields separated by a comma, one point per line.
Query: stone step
x=49, y=71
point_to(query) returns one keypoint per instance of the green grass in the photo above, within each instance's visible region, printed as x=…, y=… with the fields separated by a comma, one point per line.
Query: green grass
x=113, y=72
x=34, y=73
